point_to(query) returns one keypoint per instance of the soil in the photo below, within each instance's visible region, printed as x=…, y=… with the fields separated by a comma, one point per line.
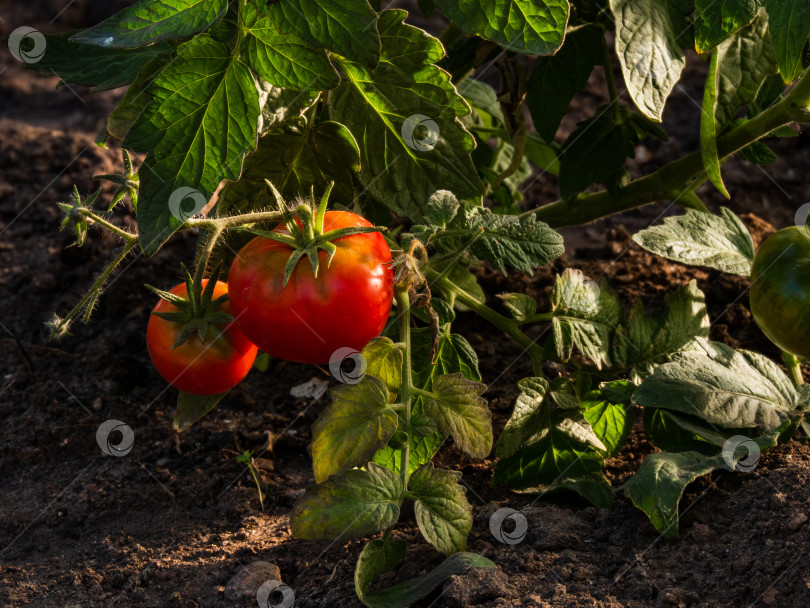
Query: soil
x=172, y=522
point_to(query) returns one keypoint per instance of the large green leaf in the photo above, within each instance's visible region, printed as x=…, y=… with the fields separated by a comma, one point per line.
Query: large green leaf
x=728, y=388
x=148, y=22
x=405, y=117
x=789, y=27
x=557, y=78
x=345, y=27
x=384, y=361
x=718, y=20
x=660, y=481
x=649, y=50
x=202, y=94
x=475, y=233
x=534, y=27
x=646, y=341
x=284, y=59
x=351, y=505
x=743, y=63
x=459, y=410
x=585, y=315
x=380, y=556
x=455, y=355
x=295, y=157
x=702, y=239
x=611, y=422
x=102, y=69
x=442, y=511
x=526, y=418
x=352, y=428
x=136, y=99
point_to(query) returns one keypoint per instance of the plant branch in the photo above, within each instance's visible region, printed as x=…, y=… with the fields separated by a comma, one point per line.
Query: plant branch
x=794, y=367
x=676, y=176
x=404, y=310
x=510, y=326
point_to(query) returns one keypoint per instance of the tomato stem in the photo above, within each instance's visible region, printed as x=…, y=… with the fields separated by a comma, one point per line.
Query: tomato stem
x=794, y=367
x=404, y=309
x=211, y=238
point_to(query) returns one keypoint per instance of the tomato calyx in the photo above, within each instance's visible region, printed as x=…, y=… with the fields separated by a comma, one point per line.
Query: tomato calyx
x=304, y=231
x=196, y=312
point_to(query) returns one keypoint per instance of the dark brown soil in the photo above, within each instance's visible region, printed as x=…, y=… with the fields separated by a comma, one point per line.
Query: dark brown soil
x=171, y=523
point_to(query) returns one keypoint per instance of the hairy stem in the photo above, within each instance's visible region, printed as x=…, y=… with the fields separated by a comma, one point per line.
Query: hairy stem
x=676, y=176
x=96, y=219
x=211, y=238
x=404, y=309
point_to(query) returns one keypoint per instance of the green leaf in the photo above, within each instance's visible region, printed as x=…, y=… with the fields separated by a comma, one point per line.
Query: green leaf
x=284, y=60
x=594, y=487
x=702, y=239
x=758, y=153
x=345, y=27
x=352, y=428
x=728, y=388
x=459, y=410
x=526, y=419
x=505, y=241
x=148, y=22
x=442, y=512
x=647, y=341
x=677, y=432
x=483, y=98
x=718, y=20
x=295, y=157
x=744, y=62
x=384, y=361
x=555, y=455
x=789, y=27
x=557, y=78
x=542, y=154
x=405, y=116
x=649, y=50
x=533, y=27
x=93, y=67
x=351, y=505
x=422, y=426
x=455, y=355
x=708, y=128
x=586, y=314
x=594, y=152
x=201, y=94
x=520, y=306
x=379, y=557
x=611, y=422
x=190, y=408
x=136, y=99
x=660, y=481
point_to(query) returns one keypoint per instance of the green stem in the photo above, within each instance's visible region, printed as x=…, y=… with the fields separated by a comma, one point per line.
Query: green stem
x=794, y=367
x=205, y=254
x=127, y=236
x=232, y=221
x=676, y=176
x=404, y=309
x=509, y=326
x=89, y=298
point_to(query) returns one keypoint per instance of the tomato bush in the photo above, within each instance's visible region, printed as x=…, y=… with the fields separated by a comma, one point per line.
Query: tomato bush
x=269, y=104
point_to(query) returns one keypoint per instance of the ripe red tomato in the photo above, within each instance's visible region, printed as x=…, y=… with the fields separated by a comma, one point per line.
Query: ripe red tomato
x=201, y=368
x=309, y=319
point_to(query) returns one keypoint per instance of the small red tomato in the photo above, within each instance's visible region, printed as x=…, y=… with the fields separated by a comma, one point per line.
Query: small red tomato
x=208, y=367
x=311, y=317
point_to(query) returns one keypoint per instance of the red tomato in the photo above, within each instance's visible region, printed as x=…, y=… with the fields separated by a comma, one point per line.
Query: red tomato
x=309, y=319
x=201, y=368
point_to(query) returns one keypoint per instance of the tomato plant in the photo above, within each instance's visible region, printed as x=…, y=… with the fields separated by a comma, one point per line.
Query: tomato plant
x=263, y=103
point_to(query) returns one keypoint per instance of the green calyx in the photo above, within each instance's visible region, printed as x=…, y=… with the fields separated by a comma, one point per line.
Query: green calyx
x=197, y=312
x=128, y=182
x=305, y=234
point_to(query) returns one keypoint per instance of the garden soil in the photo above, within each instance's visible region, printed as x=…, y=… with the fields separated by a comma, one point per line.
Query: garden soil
x=171, y=523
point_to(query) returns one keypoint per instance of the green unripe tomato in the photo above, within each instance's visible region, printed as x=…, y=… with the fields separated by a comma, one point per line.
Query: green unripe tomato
x=780, y=289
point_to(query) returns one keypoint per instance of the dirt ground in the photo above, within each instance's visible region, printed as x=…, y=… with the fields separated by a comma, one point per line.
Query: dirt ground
x=172, y=522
